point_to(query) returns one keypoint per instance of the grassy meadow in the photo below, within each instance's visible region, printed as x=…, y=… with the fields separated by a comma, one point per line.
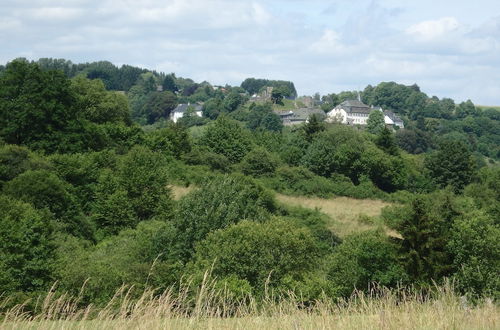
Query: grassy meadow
x=346, y=215
x=210, y=309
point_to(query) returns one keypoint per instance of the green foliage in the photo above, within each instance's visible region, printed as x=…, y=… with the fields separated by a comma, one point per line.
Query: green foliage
x=218, y=204
x=203, y=156
x=98, y=105
x=142, y=257
x=425, y=226
x=169, y=83
x=474, y=245
x=252, y=86
x=375, y=123
x=259, y=162
x=452, y=164
x=15, y=160
x=362, y=260
x=486, y=192
x=159, y=105
x=414, y=141
x=312, y=127
x=276, y=253
x=385, y=140
x=173, y=140
x=232, y=101
x=26, y=248
x=142, y=174
x=300, y=181
x=261, y=116
x=228, y=138
x=44, y=190
x=37, y=108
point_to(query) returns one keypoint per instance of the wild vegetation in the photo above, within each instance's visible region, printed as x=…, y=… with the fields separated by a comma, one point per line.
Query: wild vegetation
x=101, y=194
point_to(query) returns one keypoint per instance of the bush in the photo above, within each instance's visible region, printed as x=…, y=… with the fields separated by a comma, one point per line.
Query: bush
x=142, y=257
x=363, y=259
x=227, y=137
x=275, y=253
x=259, y=162
x=299, y=181
x=44, y=190
x=218, y=204
x=15, y=160
x=26, y=247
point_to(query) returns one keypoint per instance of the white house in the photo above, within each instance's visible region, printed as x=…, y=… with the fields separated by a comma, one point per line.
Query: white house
x=350, y=112
x=182, y=109
x=354, y=112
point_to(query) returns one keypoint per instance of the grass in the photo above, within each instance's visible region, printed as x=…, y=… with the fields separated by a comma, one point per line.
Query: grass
x=347, y=215
x=179, y=191
x=211, y=309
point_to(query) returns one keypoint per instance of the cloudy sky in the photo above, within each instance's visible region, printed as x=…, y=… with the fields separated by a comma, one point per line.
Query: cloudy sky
x=450, y=48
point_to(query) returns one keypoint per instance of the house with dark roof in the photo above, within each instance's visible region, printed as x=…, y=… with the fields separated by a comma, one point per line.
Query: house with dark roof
x=299, y=116
x=183, y=108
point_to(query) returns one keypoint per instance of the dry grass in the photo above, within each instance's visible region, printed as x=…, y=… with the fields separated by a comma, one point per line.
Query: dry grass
x=210, y=309
x=347, y=215
x=179, y=191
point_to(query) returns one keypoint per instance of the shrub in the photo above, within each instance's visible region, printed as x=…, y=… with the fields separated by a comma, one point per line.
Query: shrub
x=275, y=253
x=259, y=162
x=363, y=259
x=218, y=204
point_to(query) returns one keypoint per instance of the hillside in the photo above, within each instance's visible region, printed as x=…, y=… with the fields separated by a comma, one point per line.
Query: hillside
x=113, y=214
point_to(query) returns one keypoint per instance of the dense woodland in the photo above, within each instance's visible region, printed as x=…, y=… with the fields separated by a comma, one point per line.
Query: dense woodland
x=88, y=160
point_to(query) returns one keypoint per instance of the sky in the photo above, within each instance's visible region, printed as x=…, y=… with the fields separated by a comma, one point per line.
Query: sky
x=449, y=48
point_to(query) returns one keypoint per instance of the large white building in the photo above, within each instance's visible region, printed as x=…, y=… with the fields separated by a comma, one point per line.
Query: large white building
x=182, y=109
x=354, y=112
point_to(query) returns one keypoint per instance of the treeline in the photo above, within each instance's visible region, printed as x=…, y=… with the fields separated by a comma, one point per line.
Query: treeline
x=252, y=86
x=86, y=200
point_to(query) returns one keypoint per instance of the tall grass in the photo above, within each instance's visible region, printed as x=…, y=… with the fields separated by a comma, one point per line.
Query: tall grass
x=211, y=308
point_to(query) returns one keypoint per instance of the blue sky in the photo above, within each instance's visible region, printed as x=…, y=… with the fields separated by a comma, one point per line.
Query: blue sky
x=449, y=48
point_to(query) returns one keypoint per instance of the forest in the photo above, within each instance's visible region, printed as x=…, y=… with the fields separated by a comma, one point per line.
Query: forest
x=89, y=165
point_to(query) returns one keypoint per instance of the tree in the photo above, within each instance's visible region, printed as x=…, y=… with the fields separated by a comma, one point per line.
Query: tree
x=26, y=247
x=278, y=94
x=465, y=109
x=44, y=190
x=37, y=108
x=159, y=105
x=218, y=204
x=385, y=140
x=98, y=105
x=425, y=227
x=259, y=162
x=169, y=83
x=173, y=139
x=363, y=259
x=227, y=137
x=453, y=164
x=141, y=258
x=474, y=246
x=313, y=126
x=232, y=101
x=375, y=122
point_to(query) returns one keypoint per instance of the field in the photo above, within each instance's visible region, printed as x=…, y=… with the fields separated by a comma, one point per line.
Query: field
x=347, y=215
x=390, y=310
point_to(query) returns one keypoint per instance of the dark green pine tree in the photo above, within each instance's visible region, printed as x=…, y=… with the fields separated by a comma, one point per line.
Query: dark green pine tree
x=386, y=141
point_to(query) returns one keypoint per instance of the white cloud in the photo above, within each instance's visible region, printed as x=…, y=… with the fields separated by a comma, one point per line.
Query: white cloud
x=320, y=47
x=430, y=30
